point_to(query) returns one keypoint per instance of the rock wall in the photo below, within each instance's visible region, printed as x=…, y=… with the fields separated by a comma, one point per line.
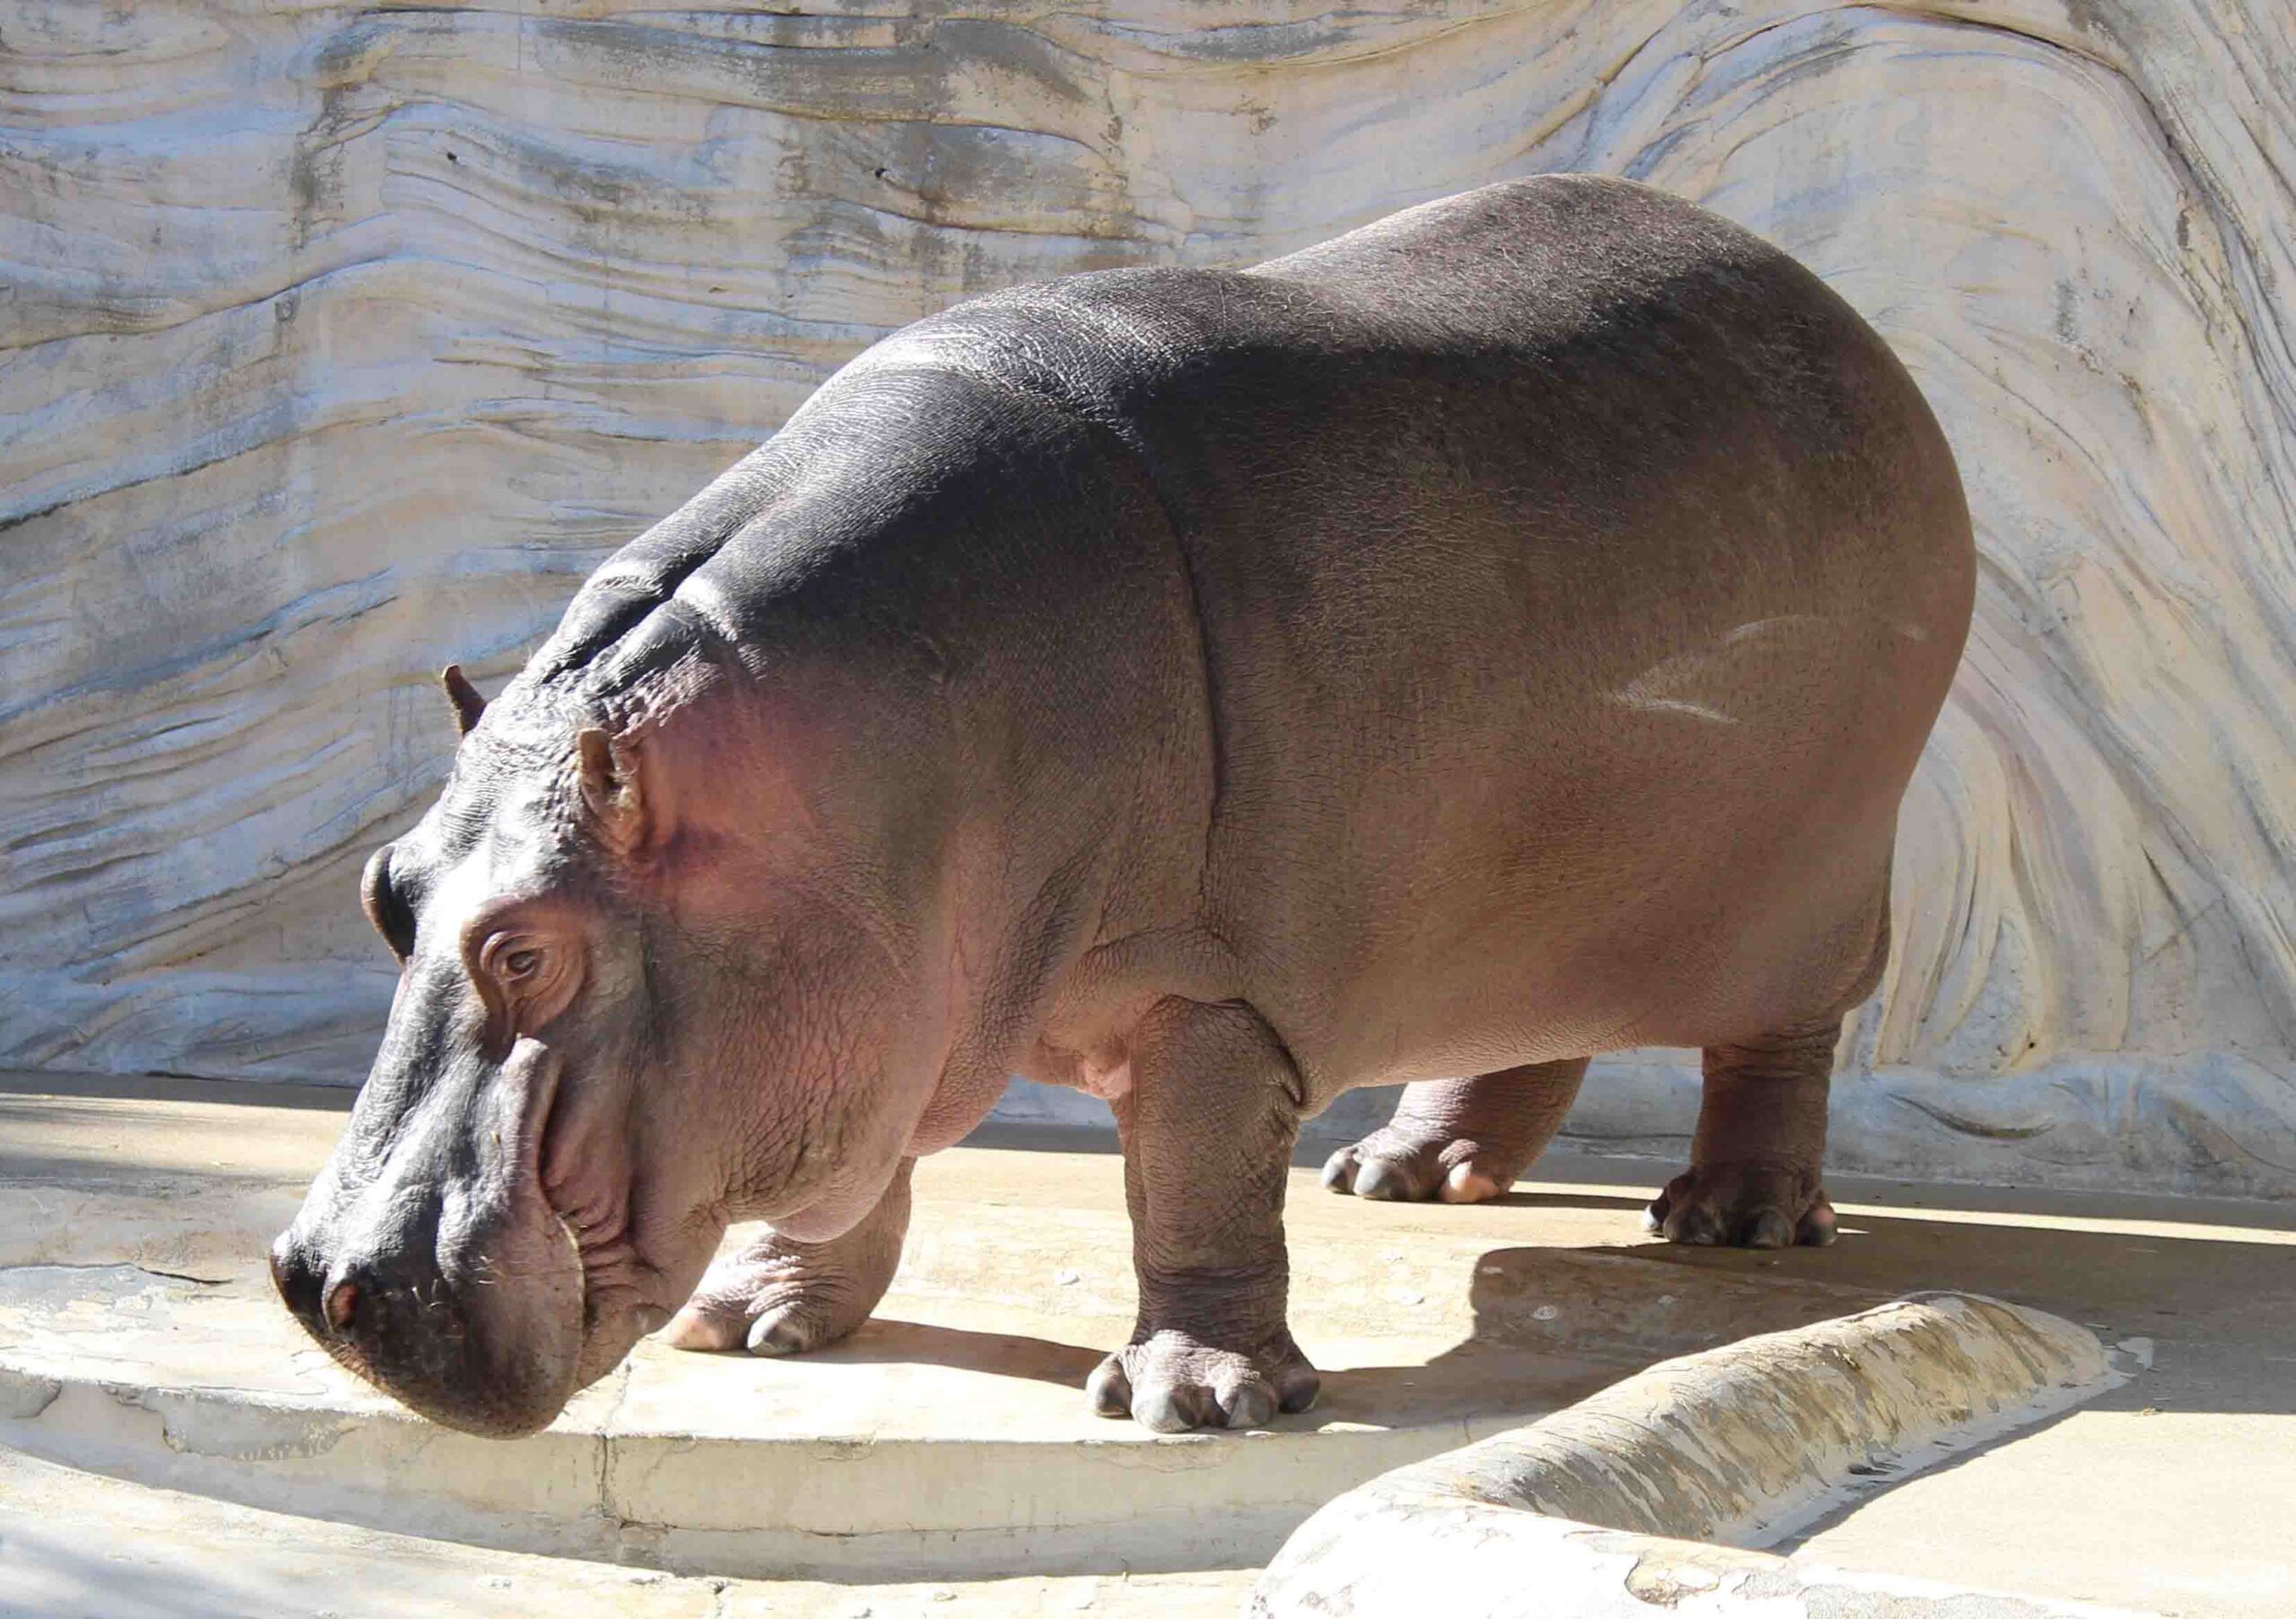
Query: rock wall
x=343, y=341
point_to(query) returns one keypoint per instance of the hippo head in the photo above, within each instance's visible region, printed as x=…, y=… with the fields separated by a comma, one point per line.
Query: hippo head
x=583, y=1078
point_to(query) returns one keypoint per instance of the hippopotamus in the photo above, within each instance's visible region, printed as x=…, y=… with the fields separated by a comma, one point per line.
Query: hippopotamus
x=1498, y=636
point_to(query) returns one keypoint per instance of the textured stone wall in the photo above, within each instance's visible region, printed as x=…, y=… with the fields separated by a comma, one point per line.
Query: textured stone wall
x=340, y=343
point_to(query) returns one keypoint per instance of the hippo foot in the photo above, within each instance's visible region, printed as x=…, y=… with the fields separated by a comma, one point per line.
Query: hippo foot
x=782, y=1296
x=1397, y=1165
x=772, y=1299
x=1743, y=1205
x=1170, y=1382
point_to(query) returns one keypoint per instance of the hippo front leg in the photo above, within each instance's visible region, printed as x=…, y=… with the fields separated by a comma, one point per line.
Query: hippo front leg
x=1207, y=1126
x=781, y=1296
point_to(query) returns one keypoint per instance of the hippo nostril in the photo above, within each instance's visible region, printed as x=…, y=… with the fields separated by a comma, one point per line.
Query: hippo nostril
x=342, y=1299
x=296, y=1278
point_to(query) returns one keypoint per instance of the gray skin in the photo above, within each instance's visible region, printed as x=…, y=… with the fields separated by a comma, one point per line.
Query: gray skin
x=1498, y=636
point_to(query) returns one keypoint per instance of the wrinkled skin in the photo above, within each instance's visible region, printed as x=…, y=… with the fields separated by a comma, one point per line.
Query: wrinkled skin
x=1499, y=636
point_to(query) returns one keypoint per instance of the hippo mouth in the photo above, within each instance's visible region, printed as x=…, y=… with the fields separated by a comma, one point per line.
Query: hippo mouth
x=582, y=1173
x=616, y=1311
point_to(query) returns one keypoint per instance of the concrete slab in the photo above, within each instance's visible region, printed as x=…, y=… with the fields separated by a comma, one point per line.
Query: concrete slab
x=2185, y=1514
x=1423, y=1310
x=74, y=1546
x=139, y=1336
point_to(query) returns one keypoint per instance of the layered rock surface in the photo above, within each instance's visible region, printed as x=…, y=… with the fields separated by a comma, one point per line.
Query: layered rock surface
x=344, y=342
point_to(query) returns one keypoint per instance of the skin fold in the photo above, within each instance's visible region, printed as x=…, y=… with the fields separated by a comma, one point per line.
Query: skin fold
x=1496, y=636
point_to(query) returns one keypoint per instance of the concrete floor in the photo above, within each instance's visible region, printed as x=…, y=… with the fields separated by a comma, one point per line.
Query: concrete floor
x=2174, y=1494
x=75, y=1545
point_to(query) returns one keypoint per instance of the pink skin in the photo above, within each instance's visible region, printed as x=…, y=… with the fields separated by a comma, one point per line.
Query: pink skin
x=802, y=1146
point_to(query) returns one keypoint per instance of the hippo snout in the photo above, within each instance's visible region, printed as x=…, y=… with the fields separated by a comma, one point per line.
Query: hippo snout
x=445, y=1280
x=442, y=1338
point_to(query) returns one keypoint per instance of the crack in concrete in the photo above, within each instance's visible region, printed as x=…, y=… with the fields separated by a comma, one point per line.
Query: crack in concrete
x=149, y=1270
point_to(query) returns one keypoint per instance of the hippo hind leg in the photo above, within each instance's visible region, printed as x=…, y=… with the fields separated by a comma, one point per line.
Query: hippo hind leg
x=1460, y=1140
x=1756, y=1164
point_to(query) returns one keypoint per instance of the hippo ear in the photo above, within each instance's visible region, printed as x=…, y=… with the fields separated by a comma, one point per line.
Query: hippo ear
x=469, y=704
x=608, y=771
